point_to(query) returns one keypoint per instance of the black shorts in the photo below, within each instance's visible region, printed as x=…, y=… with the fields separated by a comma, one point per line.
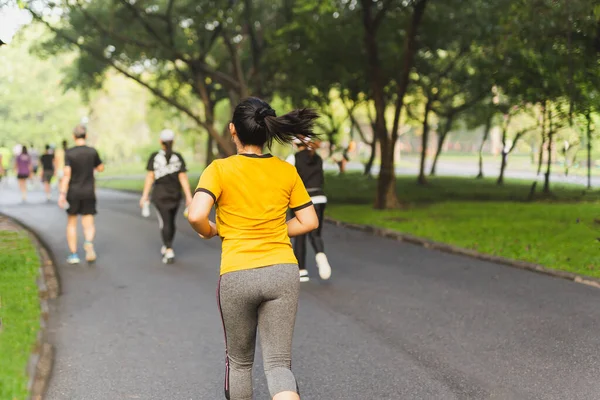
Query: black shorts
x=35, y=170
x=23, y=176
x=47, y=176
x=81, y=206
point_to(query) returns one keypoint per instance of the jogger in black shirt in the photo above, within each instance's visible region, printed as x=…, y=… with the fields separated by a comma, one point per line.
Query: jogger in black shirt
x=167, y=172
x=78, y=191
x=47, y=163
x=310, y=168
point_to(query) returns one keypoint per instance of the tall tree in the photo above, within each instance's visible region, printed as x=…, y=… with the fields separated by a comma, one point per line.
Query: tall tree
x=182, y=51
x=373, y=14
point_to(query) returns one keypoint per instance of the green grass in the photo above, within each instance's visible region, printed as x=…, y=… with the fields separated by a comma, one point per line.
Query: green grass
x=19, y=312
x=558, y=231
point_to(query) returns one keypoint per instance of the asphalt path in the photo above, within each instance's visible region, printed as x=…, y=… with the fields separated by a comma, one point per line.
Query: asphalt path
x=396, y=321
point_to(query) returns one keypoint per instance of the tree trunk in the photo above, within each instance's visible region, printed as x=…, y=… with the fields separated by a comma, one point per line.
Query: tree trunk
x=386, y=191
x=422, y=180
x=226, y=147
x=442, y=138
x=589, y=149
x=210, y=155
x=541, y=153
x=486, y=134
x=549, y=165
x=500, y=180
x=369, y=163
x=372, y=143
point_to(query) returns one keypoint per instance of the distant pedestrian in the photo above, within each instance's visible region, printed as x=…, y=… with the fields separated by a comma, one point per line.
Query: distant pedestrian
x=24, y=168
x=310, y=168
x=47, y=163
x=78, y=190
x=168, y=173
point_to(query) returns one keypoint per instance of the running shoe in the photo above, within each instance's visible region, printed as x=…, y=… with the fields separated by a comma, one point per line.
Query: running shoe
x=163, y=250
x=169, y=257
x=304, y=276
x=73, y=259
x=90, y=253
x=323, y=265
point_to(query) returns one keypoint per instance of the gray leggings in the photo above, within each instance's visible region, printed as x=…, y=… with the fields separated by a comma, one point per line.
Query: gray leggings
x=266, y=298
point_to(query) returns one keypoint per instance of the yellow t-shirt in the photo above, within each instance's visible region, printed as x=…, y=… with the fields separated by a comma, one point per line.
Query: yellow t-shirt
x=252, y=195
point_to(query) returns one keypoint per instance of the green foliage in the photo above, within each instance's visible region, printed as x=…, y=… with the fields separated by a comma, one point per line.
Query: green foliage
x=35, y=106
x=19, y=312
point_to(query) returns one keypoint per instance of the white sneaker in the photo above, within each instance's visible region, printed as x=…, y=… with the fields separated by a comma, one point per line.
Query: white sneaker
x=323, y=265
x=304, y=276
x=90, y=253
x=169, y=256
x=163, y=250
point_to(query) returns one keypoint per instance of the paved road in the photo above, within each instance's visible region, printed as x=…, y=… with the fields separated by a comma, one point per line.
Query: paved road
x=396, y=321
x=490, y=169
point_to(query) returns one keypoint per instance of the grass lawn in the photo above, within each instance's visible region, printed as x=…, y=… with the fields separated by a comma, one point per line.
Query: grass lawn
x=19, y=312
x=558, y=232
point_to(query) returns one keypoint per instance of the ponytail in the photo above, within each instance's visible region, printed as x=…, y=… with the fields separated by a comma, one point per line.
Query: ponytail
x=297, y=124
x=256, y=123
x=168, y=149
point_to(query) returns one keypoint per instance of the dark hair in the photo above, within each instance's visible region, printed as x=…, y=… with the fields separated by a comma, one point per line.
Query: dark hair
x=64, y=144
x=47, y=147
x=168, y=149
x=24, y=150
x=257, y=124
x=80, y=131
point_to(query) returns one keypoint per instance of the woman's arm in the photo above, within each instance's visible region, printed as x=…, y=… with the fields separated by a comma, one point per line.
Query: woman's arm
x=147, y=186
x=305, y=221
x=185, y=184
x=198, y=213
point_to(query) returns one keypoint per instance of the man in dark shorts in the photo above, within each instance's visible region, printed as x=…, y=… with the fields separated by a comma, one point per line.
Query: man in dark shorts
x=78, y=191
x=47, y=164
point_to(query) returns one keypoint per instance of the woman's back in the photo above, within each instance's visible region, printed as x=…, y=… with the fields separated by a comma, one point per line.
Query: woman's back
x=253, y=194
x=23, y=164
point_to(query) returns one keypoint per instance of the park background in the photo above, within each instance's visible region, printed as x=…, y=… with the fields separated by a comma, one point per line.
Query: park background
x=473, y=123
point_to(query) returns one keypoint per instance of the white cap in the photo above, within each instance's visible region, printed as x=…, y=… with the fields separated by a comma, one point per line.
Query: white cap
x=167, y=135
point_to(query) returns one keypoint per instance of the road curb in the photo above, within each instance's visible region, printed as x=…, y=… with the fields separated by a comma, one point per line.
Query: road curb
x=447, y=248
x=41, y=360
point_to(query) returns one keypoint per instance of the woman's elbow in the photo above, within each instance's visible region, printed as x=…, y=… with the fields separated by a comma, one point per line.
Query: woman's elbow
x=314, y=224
x=196, y=219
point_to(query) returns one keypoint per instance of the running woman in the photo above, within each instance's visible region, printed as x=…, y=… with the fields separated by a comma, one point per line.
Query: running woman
x=47, y=163
x=24, y=168
x=310, y=169
x=259, y=284
x=78, y=189
x=167, y=171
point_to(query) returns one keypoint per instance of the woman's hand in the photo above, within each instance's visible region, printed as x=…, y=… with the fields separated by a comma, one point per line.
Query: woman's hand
x=213, y=231
x=143, y=201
